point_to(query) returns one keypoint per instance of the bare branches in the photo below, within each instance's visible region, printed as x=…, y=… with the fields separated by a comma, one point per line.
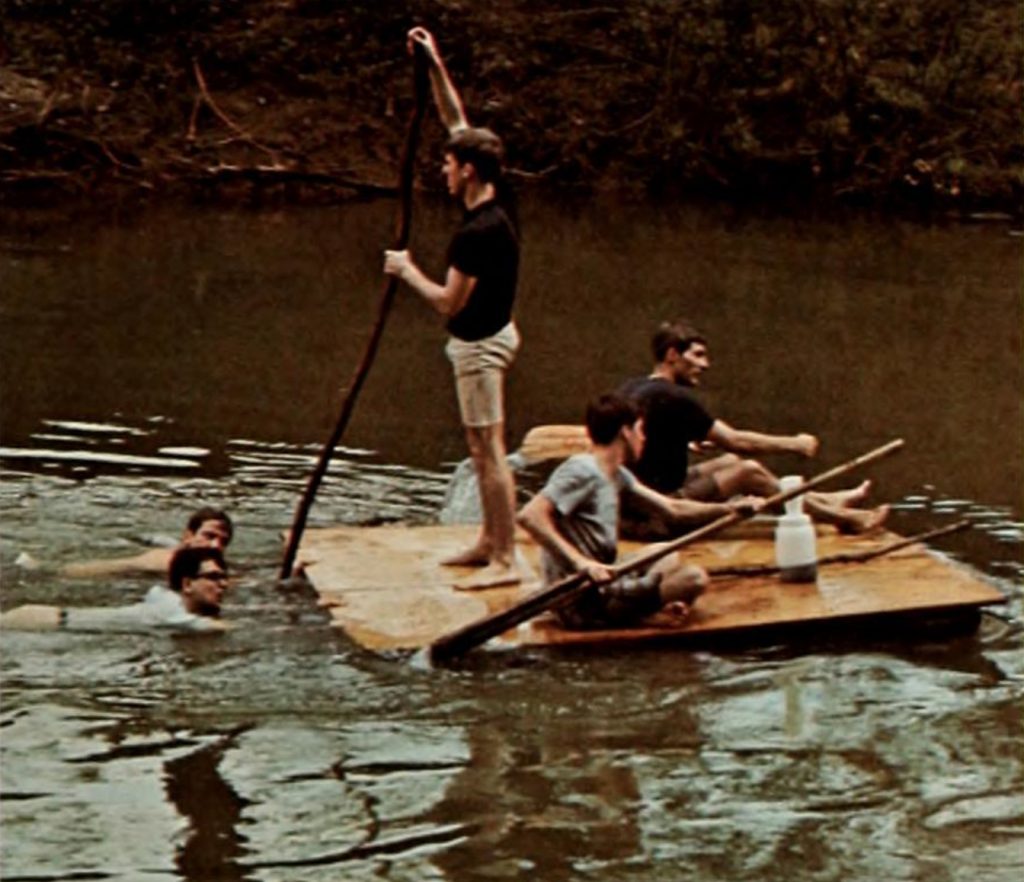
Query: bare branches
x=205, y=97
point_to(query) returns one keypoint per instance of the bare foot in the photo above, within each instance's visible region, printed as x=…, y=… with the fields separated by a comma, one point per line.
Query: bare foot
x=846, y=498
x=477, y=556
x=491, y=576
x=861, y=520
x=679, y=611
x=683, y=584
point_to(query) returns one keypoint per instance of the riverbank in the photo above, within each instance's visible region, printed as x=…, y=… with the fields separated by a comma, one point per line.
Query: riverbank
x=910, y=106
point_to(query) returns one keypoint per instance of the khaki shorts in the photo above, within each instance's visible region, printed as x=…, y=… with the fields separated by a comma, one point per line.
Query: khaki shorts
x=480, y=367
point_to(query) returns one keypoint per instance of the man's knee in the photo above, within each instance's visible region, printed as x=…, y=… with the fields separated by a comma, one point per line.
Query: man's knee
x=748, y=475
x=724, y=461
x=751, y=468
x=683, y=584
x=745, y=476
x=486, y=445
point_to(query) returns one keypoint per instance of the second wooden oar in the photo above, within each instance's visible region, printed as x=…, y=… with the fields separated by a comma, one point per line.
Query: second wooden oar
x=466, y=638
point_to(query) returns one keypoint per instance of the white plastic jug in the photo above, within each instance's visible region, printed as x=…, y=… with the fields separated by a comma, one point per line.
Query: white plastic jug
x=795, y=552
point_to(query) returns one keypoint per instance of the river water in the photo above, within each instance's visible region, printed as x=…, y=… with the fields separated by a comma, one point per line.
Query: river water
x=154, y=360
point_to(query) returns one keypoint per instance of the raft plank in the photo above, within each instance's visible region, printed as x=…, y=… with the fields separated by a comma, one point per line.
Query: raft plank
x=384, y=586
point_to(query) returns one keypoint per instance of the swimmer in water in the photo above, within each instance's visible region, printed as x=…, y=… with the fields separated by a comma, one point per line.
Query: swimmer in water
x=197, y=579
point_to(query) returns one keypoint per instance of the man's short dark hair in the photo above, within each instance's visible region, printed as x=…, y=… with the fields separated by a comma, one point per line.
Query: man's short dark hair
x=482, y=148
x=678, y=335
x=206, y=513
x=607, y=415
x=186, y=563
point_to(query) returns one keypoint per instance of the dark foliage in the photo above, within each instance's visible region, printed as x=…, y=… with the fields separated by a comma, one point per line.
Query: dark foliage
x=916, y=101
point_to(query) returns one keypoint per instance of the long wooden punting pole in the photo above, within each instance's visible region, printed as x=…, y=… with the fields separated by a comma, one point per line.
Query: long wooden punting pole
x=403, y=225
x=844, y=556
x=466, y=638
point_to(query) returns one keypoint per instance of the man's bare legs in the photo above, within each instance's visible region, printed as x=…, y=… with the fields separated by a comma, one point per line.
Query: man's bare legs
x=494, y=549
x=479, y=554
x=844, y=515
x=732, y=475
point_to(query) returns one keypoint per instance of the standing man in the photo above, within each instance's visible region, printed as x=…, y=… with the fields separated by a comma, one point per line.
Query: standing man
x=675, y=420
x=575, y=520
x=476, y=298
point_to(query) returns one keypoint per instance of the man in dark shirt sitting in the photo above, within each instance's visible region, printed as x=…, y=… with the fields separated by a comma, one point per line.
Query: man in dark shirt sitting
x=476, y=298
x=676, y=421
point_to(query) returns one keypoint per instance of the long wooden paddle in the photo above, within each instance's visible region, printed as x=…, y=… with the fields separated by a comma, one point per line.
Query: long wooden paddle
x=466, y=638
x=403, y=225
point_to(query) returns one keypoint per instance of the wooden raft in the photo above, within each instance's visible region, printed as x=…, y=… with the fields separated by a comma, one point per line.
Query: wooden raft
x=385, y=588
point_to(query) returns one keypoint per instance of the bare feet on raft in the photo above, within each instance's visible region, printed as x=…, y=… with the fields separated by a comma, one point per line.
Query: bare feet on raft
x=847, y=498
x=839, y=508
x=677, y=612
x=862, y=520
x=494, y=575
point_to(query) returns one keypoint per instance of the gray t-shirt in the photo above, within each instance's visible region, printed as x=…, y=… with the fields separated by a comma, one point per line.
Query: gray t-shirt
x=160, y=610
x=586, y=506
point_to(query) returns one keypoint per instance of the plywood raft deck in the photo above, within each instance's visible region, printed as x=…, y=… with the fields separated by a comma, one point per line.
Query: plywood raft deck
x=384, y=586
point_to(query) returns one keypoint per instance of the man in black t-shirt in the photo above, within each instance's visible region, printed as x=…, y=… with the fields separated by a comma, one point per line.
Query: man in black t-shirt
x=476, y=298
x=676, y=422
x=674, y=419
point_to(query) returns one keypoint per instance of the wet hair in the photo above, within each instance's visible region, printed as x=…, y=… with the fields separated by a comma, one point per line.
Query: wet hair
x=482, y=148
x=607, y=414
x=206, y=513
x=186, y=563
x=678, y=335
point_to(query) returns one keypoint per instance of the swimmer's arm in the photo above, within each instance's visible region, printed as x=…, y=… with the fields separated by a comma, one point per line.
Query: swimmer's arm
x=41, y=617
x=155, y=560
x=32, y=617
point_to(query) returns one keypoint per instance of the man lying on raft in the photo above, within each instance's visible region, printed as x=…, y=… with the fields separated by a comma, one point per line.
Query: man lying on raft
x=206, y=528
x=197, y=579
x=575, y=520
x=675, y=420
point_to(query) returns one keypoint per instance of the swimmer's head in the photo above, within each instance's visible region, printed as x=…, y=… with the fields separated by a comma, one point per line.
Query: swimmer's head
x=200, y=576
x=208, y=528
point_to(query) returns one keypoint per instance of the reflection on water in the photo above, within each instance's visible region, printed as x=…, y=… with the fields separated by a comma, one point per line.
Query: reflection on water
x=273, y=756
x=173, y=359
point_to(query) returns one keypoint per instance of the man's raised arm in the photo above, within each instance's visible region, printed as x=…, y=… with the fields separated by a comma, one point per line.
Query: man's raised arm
x=446, y=96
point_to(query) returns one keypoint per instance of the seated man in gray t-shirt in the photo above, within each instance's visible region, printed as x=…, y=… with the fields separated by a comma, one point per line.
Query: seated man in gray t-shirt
x=575, y=519
x=197, y=580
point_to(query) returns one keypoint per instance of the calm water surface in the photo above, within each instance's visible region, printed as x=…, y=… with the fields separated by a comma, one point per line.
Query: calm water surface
x=156, y=360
